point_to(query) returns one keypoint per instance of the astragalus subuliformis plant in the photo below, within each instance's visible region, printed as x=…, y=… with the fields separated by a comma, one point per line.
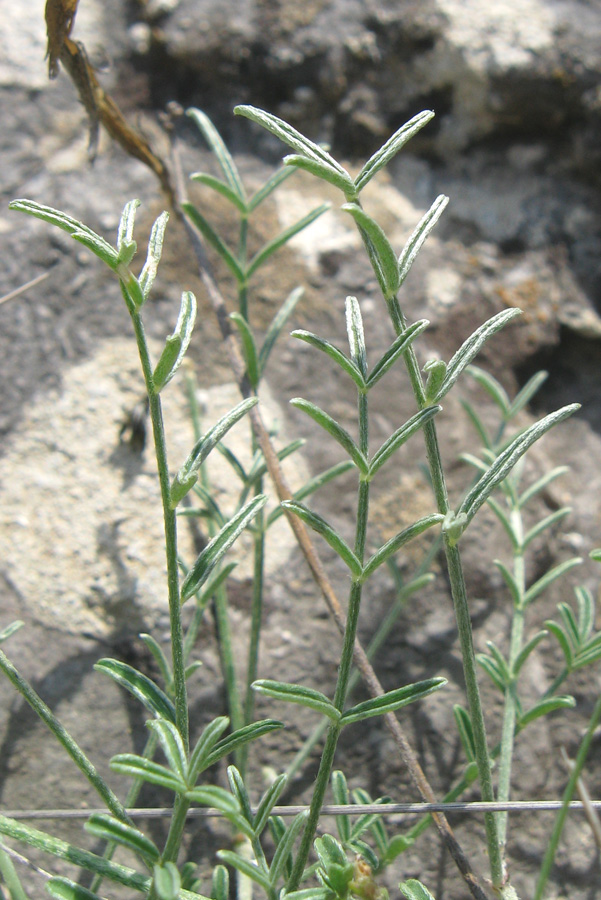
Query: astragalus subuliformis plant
x=284, y=867
x=391, y=270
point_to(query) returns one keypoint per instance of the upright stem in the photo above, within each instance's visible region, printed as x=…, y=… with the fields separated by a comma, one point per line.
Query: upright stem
x=169, y=516
x=344, y=668
x=460, y=603
x=511, y=700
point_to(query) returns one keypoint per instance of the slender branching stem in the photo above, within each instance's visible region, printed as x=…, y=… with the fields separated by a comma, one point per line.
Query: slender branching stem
x=345, y=665
x=458, y=590
x=169, y=517
x=511, y=700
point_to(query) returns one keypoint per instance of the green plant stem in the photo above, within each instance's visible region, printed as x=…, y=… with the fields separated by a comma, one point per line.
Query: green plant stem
x=511, y=700
x=169, y=517
x=344, y=668
x=553, y=844
x=64, y=738
x=256, y=616
x=460, y=603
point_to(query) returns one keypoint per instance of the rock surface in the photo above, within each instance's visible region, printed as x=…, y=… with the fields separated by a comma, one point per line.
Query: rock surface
x=515, y=144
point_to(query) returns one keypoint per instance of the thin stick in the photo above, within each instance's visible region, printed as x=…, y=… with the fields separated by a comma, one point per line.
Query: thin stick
x=24, y=287
x=383, y=809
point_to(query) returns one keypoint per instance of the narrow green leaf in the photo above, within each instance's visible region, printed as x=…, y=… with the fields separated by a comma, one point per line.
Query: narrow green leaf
x=260, y=469
x=207, y=740
x=471, y=347
x=238, y=789
x=586, y=612
x=153, y=257
x=76, y=229
x=220, y=889
x=547, y=522
x=141, y=686
x=312, y=893
x=290, y=136
x=322, y=170
x=248, y=868
x=466, y=732
x=506, y=460
x=267, y=802
x=400, y=436
x=173, y=746
x=311, y=486
x=544, y=708
x=398, y=844
x=523, y=397
x=527, y=650
x=392, y=146
x=336, y=542
x=541, y=483
x=549, y=577
x=392, y=700
x=346, y=364
x=412, y=889
x=569, y=623
x=493, y=388
x=500, y=660
x=126, y=246
x=505, y=521
x=398, y=541
x=167, y=881
x=356, y=337
x=389, y=269
x=398, y=347
x=269, y=249
x=221, y=188
x=334, y=429
x=478, y=424
x=215, y=798
x=177, y=343
x=330, y=851
x=159, y=657
x=421, y=232
x=436, y=370
x=222, y=154
x=279, y=176
x=107, y=828
x=589, y=654
x=211, y=236
x=296, y=693
x=185, y=479
x=242, y=736
x=340, y=793
x=492, y=670
x=65, y=889
x=282, y=855
x=10, y=629
x=558, y=632
x=277, y=323
x=219, y=545
x=363, y=850
x=138, y=767
x=249, y=348
x=510, y=581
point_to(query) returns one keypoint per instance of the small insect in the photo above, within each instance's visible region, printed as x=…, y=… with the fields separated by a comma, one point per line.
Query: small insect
x=133, y=427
